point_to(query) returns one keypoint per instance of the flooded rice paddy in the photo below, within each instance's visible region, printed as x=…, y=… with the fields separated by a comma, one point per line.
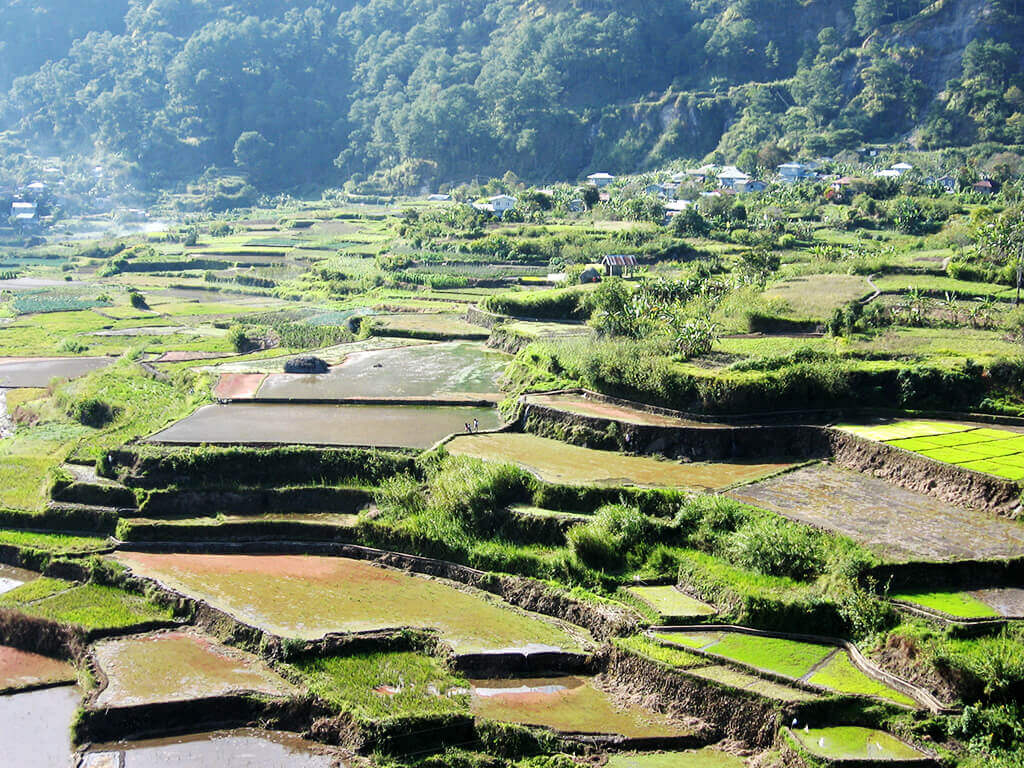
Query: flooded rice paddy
x=21, y=669
x=178, y=666
x=427, y=370
x=309, y=597
x=569, y=705
x=383, y=426
x=244, y=748
x=35, y=727
x=851, y=743
x=893, y=522
x=37, y=372
x=558, y=462
x=585, y=406
x=11, y=577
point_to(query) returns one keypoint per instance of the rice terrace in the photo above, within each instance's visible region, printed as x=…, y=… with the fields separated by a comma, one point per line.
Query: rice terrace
x=396, y=481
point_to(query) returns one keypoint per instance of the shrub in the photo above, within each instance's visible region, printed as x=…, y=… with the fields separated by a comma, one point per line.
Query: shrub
x=91, y=411
x=238, y=339
x=777, y=548
x=401, y=495
x=138, y=300
x=606, y=541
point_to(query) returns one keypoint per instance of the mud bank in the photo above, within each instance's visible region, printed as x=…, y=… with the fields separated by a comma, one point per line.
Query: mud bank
x=954, y=576
x=730, y=713
x=229, y=468
x=694, y=443
x=952, y=484
x=178, y=717
x=256, y=501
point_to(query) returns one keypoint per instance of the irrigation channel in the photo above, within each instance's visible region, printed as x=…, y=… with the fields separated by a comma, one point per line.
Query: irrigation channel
x=271, y=620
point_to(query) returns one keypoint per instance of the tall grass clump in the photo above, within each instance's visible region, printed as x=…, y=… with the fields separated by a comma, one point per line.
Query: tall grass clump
x=611, y=540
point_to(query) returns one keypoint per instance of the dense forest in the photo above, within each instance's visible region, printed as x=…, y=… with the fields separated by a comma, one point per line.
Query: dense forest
x=393, y=95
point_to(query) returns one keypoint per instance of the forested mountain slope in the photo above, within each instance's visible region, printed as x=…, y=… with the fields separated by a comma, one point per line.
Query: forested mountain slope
x=399, y=93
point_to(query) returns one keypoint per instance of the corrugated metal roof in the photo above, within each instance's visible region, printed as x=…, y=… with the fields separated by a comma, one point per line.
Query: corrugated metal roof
x=618, y=260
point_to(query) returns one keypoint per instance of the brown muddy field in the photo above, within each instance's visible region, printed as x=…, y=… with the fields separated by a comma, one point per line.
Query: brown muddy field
x=37, y=372
x=308, y=597
x=896, y=524
x=244, y=748
x=20, y=669
x=35, y=727
x=558, y=462
x=11, y=577
x=567, y=704
x=381, y=426
x=585, y=406
x=178, y=666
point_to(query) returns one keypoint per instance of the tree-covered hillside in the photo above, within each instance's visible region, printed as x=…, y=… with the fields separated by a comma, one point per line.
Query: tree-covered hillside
x=394, y=94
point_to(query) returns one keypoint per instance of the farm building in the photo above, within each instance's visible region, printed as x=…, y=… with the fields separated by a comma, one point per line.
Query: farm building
x=600, y=179
x=619, y=265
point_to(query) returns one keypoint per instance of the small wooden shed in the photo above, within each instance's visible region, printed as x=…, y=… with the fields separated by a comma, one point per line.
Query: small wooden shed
x=619, y=265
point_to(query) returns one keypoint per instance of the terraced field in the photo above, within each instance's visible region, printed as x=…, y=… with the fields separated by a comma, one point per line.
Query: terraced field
x=178, y=666
x=567, y=704
x=309, y=597
x=995, y=451
x=895, y=523
x=822, y=665
x=558, y=462
x=383, y=426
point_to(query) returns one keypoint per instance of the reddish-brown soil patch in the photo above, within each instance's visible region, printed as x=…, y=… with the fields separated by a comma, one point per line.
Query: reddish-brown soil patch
x=238, y=385
x=20, y=669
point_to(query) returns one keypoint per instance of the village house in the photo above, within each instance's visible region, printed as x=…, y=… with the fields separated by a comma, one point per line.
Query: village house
x=497, y=204
x=619, y=265
x=947, y=182
x=600, y=180
x=700, y=175
x=985, y=187
x=791, y=173
x=751, y=185
x=730, y=176
x=902, y=168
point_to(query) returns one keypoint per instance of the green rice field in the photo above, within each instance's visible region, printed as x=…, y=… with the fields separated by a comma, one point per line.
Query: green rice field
x=959, y=604
x=670, y=602
x=998, y=452
x=823, y=665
